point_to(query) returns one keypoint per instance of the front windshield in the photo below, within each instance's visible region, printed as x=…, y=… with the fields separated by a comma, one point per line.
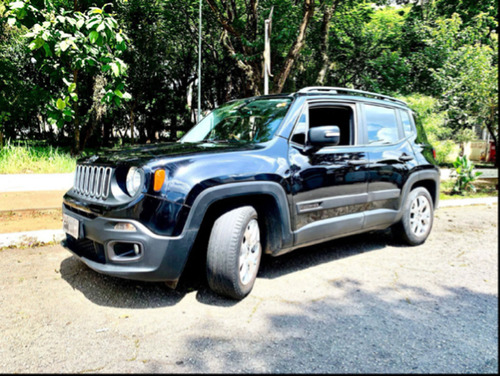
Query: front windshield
x=241, y=121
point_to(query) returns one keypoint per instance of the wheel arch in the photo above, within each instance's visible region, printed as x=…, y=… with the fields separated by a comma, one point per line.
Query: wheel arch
x=428, y=179
x=269, y=200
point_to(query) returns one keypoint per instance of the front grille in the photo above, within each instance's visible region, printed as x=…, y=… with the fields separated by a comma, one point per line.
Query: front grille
x=93, y=181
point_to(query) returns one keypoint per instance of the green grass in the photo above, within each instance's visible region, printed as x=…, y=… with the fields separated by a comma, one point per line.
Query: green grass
x=484, y=188
x=25, y=159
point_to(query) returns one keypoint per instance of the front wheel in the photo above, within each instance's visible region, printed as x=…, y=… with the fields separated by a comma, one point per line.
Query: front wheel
x=418, y=217
x=234, y=252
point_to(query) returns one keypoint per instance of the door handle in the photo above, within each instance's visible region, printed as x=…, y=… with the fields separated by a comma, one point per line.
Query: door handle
x=357, y=162
x=405, y=158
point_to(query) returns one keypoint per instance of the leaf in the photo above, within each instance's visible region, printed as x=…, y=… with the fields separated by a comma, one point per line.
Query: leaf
x=118, y=93
x=64, y=45
x=60, y=104
x=74, y=97
x=11, y=21
x=106, y=68
x=80, y=23
x=48, y=52
x=116, y=69
x=117, y=100
x=101, y=26
x=72, y=87
x=96, y=10
x=93, y=36
x=17, y=5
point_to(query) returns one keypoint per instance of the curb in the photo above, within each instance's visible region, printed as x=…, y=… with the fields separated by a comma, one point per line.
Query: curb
x=36, y=238
x=468, y=201
x=30, y=238
x=36, y=182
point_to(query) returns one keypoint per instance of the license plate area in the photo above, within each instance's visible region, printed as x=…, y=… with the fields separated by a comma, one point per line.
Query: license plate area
x=71, y=226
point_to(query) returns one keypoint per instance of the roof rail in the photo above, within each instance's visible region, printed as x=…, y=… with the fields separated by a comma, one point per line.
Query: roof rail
x=335, y=90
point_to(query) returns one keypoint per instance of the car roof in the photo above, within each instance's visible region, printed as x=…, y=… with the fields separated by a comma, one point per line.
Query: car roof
x=338, y=93
x=327, y=92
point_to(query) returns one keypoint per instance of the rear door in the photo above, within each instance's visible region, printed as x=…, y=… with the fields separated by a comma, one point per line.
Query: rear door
x=391, y=160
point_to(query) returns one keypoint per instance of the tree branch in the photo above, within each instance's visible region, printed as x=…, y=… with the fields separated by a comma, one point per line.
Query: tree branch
x=280, y=79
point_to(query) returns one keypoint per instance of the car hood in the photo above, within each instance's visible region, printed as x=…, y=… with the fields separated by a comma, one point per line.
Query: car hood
x=142, y=154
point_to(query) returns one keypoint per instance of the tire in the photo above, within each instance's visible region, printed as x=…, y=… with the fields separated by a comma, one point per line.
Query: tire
x=234, y=252
x=418, y=217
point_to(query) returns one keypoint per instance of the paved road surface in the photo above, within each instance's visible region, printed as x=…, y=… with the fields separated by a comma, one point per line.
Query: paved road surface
x=363, y=304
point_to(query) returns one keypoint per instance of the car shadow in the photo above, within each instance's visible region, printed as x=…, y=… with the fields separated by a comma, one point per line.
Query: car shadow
x=117, y=292
x=306, y=257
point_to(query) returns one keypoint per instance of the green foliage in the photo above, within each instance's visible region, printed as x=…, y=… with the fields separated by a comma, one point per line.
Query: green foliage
x=68, y=42
x=465, y=175
x=442, y=138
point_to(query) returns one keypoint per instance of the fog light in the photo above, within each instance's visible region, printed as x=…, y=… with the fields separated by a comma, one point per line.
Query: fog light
x=125, y=226
x=137, y=249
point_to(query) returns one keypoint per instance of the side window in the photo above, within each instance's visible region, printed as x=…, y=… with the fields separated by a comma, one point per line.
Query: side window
x=405, y=119
x=321, y=115
x=382, y=124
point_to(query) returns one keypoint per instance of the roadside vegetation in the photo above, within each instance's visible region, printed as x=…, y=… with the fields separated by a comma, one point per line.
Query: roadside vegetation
x=25, y=159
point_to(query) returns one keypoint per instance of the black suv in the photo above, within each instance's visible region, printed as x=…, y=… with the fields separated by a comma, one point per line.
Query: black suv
x=263, y=174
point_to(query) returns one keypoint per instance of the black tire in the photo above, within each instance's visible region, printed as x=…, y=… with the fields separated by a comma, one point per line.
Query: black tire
x=414, y=228
x=232, y=232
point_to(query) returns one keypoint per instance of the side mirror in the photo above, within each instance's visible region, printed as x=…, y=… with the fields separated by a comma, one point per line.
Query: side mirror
x=327, y=135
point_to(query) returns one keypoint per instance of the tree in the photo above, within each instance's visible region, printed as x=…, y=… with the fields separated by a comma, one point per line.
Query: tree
x=468, y=76
x=241, y=21
x=66, y=44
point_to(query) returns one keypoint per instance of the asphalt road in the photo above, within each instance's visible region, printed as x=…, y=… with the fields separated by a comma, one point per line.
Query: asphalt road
x=363, y=304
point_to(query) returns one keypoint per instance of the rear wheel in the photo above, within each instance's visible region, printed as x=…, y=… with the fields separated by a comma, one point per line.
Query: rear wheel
x=418, y=217
x=234, y=253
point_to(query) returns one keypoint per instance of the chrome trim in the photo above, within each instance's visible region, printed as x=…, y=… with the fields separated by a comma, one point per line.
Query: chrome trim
x=93, y=181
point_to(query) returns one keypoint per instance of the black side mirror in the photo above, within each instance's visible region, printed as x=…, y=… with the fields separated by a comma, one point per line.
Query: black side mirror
x=327, y=135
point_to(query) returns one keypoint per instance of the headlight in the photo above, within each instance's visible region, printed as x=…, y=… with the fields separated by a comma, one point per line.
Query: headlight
x=134, y=181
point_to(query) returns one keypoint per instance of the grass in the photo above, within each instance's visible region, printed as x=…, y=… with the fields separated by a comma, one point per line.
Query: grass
x=25, y=159
x=484, y=188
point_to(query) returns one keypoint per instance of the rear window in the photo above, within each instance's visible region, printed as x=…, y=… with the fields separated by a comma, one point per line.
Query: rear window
x=382, y=125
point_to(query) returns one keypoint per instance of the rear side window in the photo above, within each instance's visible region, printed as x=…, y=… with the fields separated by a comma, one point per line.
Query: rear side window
x=405, y=119
x=382, y=125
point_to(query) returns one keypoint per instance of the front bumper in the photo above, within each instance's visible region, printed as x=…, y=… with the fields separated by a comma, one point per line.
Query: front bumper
x=161, y=258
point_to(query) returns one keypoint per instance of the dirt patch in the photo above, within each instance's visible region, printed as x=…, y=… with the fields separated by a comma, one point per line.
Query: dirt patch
x=30, y=211
x=30, y=220
x=31, y=200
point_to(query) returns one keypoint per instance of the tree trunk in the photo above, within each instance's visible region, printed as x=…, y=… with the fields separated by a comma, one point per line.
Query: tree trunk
x=280, y=79
x=132, y=118
x=77, y=147
x=173, y=128
x=325, y=33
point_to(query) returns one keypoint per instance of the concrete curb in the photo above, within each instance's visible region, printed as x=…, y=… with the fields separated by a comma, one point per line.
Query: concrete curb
x=30, y=238
x=36, y=182
x=468, y=201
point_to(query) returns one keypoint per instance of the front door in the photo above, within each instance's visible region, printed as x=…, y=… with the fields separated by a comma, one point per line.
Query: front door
x=329, y=185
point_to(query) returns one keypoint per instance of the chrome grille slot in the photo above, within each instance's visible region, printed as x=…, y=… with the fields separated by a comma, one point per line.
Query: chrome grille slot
x=93, y=181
